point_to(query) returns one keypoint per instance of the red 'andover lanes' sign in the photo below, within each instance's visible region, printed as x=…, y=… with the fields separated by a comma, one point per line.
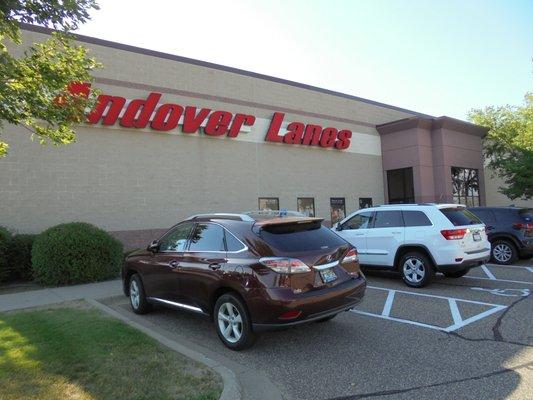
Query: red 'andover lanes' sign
x=139, y=113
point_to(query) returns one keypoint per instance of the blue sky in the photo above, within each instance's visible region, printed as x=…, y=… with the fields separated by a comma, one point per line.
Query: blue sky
x=435, y=57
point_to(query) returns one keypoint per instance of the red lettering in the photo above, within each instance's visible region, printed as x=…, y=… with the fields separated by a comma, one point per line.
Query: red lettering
x=238, y=122
x=312, y=135
x=273, y=129
x=191, y=121
x=328, y=137
x=295, y=133
x=218, y=123
x=167, y=117
x=115, y=104
x=146, y=108
x=343, y=141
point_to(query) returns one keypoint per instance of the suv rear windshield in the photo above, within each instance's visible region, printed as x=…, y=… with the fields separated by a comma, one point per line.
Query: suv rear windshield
x=460, y=216
x=526, y=214
x=301, y=237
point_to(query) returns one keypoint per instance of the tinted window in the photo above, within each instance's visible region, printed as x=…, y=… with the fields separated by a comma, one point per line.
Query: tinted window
x=526, y=214
x=415, y=218
x=388, y=219
x=359, y=221
x=484, y=215
x=176, y=239
x=460, y=216
x=207, y=237
x=301, y=237
x=232, y=243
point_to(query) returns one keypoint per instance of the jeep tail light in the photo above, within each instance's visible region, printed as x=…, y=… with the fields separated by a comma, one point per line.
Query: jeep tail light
x=453, y=234
x=284, y=265
x=351, y=256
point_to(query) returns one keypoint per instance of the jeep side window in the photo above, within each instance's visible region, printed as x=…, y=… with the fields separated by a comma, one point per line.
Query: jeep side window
x=388, y=219
x=360, y=221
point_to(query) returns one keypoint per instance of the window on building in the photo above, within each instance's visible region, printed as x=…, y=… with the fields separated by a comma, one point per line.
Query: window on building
x=400, y=186
x=465, y=186
x=337, y=206
x=306, y=205
x=268, y=203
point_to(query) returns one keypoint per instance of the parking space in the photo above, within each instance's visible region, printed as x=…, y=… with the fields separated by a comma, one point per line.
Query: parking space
x=467, y=338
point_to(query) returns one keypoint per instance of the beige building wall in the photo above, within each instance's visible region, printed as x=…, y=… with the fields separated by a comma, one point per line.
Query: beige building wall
x=495, y=198
x=139, y=180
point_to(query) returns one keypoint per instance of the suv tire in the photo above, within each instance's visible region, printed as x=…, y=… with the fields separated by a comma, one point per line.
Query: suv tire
x=416, y=269
x=233, y=323
x=456, y=274
x=503, y=252
x=138, y=301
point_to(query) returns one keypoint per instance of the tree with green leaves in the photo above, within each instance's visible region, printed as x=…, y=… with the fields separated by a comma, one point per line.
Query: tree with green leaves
x=33, y=85
x=508, y=147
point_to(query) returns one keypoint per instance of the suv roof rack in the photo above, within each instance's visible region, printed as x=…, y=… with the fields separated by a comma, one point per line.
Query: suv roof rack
x=235, y=217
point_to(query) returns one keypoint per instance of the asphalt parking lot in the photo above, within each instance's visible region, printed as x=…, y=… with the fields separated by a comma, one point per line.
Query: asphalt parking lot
x=466, y=338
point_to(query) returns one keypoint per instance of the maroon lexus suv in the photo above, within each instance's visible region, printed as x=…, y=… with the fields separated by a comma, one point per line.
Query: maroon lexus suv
x=248, y=272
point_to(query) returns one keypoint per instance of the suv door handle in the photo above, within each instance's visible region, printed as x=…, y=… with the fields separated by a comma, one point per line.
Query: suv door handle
x=214, y=267
x=174, y=264
x=358, y=234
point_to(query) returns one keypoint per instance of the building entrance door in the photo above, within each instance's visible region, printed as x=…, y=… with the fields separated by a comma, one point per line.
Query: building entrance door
x=400, y=186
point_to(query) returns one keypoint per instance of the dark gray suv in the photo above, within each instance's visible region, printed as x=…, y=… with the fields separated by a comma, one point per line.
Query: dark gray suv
x=510, y=232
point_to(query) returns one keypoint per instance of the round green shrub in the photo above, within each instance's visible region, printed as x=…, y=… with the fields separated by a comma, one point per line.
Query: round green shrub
x=19, y=257
x=76, y=252
x=5, y=238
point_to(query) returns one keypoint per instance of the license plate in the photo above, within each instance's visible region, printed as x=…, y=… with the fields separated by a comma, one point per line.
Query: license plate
x=328, y=275
x=476, y=236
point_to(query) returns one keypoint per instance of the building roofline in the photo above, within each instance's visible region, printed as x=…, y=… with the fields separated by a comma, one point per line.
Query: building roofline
x=432, y=124
x=167, y=56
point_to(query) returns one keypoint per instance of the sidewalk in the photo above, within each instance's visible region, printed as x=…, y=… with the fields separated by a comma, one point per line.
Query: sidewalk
x=44, y=297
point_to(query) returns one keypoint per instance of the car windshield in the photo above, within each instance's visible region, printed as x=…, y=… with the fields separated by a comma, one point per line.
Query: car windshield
x=460, y=216
x=300, y=237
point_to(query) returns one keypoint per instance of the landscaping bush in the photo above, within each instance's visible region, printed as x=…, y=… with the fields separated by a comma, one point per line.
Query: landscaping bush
x=5, y=238
x=76, y=252
x=19, y=257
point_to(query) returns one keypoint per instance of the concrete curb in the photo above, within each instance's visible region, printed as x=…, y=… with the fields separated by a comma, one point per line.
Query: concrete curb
x=231, y=390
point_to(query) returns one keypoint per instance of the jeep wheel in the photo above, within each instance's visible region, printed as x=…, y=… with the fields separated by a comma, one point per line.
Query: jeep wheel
x=416, y=269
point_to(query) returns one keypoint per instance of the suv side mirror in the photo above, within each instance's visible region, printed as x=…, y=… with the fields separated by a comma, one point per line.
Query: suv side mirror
x=153, y=247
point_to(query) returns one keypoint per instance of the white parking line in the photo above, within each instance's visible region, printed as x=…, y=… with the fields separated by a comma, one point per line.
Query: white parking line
x=488, y=273
x=388, y=303
x=491, y=277
x=458, y=321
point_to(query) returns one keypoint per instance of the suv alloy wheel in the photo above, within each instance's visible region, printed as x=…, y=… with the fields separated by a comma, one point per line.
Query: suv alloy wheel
x=504, y=252
x=416, y=269
x=138, y=301
x=233, y=323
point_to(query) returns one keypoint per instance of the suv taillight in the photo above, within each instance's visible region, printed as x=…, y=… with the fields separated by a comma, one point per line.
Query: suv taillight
x=351, y=256
x=283, y=265
x=521, y=225
x=453, y=234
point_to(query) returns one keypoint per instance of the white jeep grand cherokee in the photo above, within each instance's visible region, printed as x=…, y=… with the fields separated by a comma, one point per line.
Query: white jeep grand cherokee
x=417, y=240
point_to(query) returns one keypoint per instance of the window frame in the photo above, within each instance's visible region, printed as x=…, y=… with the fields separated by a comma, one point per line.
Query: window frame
x=226, y=231
x=374, y=218
x=331, y=209
x=458, y=197
x=307, y=198
x=267, y=198
x=370, y=225
x=170, y=231
x=416, y=226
